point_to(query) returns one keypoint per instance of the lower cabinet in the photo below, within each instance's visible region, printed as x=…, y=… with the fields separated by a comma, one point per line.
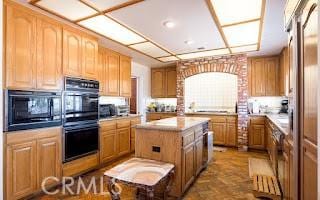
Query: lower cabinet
x=231, y=135
x=198, y=153
x=224, y=130
x=152, y=116
x=219, y=131
x=108, y=149
x=31, y=156
x=257, y=136
x=188, y=160
x=123, y=136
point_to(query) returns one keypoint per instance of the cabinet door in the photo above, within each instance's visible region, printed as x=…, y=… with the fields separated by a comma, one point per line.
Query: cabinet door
x=132, y=139
x=198, y=153
x=158, y=82
x=125, y=76
x=272, y=84
x=286, y=177
x=89, y=58
x=21, y=170
x=124, y=140
x=72, y=53
x=257, y=136
x=102, y=71
x=20, y=49
x=171, y=82
x=113, y=72
x=284, y=73
x=188, y=167
x=292, y=178
x=108, y=146
x=49, y=159
x=258, y=77
x=219, y=133
x=231, y=135
x=49, y=55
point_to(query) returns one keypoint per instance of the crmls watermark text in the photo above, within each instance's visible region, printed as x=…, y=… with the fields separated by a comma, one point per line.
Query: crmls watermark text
x=72, y=186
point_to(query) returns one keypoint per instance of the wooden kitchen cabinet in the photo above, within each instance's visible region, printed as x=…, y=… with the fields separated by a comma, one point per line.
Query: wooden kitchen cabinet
x=133, y=132
x=219, y=131
x=188, y=171
x=198, y=154
x=123, y=136
x=102, y=71
x=284, y=73
x=89, y=57
x=263, y=76
x=31, y=156
x=171, y=82
x=49, y=54
x=113, y=73
x=72, y=53
x=158, y=83
x=20, y=48
x=231, y=135
x=125, y=76
x=152, y=116
x=108, y=148
x=257, y=133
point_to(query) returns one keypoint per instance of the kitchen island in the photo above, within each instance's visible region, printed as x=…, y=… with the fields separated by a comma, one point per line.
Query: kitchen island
x=176, y=140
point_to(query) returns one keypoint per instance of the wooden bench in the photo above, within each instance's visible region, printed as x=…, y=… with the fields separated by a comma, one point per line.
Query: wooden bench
x=143, y=174
x=266, y=186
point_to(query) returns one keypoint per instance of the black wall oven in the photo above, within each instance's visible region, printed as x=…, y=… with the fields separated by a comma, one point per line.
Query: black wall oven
x=80, y=118
x=32, y=109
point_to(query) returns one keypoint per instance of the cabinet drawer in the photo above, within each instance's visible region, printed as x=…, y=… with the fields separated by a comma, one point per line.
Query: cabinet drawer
x=218, y=119
x=135, y=121
x=198, y=132
x=231, y=119
x=123, y=124
x=188, y=138
x=107, y=125
x=257, y=120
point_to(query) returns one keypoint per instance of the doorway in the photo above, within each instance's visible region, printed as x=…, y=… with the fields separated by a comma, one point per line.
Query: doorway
x=134, y=98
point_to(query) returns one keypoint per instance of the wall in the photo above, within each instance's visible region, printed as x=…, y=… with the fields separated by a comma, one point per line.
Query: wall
x=1, y=100
x=234, y=64
x=143, y=74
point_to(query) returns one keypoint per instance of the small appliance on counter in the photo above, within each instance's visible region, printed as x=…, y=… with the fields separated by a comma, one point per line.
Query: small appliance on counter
x=107, y=110
x=284, y=106
x=122, y=110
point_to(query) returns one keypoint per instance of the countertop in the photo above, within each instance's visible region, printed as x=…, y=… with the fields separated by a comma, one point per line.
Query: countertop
x=161, y=112
x=174, y=123
x=212, y=113
x=281, y=121
x=119, y=117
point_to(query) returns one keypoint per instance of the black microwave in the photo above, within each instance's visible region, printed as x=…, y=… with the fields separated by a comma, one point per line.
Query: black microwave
x=32, y=109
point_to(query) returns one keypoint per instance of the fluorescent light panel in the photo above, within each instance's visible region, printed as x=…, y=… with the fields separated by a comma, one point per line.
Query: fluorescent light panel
x=150, y=49
x=111, y=29
x=168, y=59
x=244, y=48
x=242, y=34
x=235, y=11
x=204, y=54
x=103, y=5
x=70, y=9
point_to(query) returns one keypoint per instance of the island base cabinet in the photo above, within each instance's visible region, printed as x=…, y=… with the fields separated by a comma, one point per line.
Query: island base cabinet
x=198, y=154
x=31, y=156
x=188, y=160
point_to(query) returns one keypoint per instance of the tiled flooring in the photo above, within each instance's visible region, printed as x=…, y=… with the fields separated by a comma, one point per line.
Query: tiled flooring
x=225, y=178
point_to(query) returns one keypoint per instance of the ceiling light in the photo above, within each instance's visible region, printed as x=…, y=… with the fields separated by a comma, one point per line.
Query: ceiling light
x=169, y=24
x=71, y=9
x=150, y=49
x=189, y=42
x=111, y=29
x=215, y=52
x=242, y=34
x=231, y=11
x=168, y=59
x=244, y=48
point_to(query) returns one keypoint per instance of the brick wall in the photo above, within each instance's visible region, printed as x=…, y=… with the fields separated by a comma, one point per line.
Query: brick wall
x=234, y=64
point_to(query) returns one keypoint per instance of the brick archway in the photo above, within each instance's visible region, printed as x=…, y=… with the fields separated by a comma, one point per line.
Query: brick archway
x=234, y=64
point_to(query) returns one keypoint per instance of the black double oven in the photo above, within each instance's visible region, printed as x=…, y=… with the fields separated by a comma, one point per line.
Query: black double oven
x=76, y=109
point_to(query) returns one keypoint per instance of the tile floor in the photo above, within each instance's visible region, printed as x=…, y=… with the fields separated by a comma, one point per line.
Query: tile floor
x=225, y=178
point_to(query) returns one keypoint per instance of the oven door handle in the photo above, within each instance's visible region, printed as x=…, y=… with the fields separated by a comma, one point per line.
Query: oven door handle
x=76, y=129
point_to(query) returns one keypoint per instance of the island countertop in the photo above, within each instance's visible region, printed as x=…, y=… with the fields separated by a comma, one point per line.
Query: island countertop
x=174, y=123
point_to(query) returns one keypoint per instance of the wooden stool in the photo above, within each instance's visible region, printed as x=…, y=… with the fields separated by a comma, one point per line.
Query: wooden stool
x=144, y=174
x=266, y=186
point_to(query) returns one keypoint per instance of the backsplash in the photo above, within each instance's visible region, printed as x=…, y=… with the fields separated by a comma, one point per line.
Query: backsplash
x=268, y=104
x=118, y=101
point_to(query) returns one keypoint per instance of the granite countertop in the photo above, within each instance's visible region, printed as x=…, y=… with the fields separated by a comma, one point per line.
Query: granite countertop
x=174, y=123
x=281, y=121
x=119, y=117
x=161, y=112
x=212, y=113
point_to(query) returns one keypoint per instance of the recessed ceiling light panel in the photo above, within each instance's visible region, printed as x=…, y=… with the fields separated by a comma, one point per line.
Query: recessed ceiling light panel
x=169, y=24
x=150, y=49
x=215, y=52
x=70, y=9
x=189, y=42
x=168, y=59
x=103, y=5
x=235, y=11
x=244, y=48
x=111, y=29
x=242, y=34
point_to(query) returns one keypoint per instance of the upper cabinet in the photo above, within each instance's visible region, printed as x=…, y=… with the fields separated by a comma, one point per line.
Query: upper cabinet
x=263, y=75
x=125, y=76
x=284, y=73
x=114, y=73
x=20, y=48
x=164, y=82
x=80, y=57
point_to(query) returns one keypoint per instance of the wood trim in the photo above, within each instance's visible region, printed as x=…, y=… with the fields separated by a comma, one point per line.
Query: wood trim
x=243, y=22
x=123, y=5
x=216, y=20
x=263, y=9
